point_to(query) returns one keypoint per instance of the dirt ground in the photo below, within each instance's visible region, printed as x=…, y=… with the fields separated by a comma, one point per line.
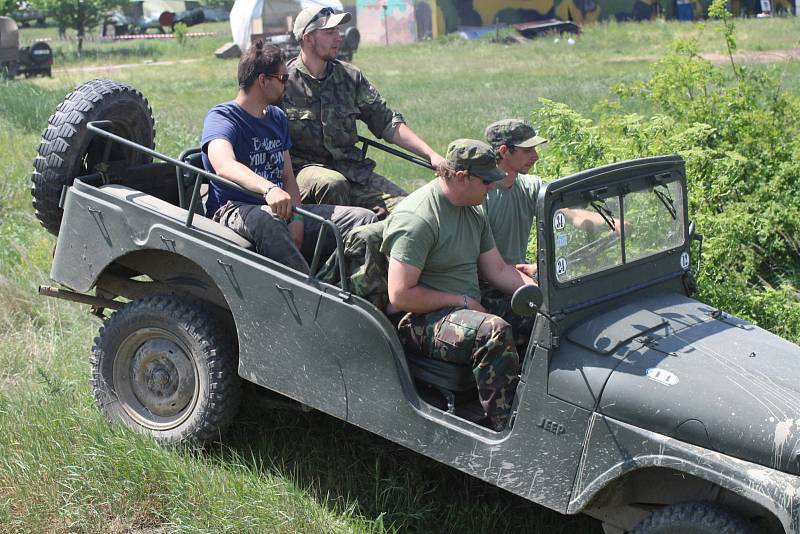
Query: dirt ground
x=762, y=56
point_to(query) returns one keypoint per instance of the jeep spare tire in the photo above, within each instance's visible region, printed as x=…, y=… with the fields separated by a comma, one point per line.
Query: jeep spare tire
x=68, y=149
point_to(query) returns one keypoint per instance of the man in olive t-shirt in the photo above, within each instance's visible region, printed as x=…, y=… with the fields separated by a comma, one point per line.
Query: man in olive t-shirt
x=438, y=239
x=511, y=206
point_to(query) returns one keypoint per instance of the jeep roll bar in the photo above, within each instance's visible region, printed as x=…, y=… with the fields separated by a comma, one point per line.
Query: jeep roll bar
x=399, y=153
x=99, y=128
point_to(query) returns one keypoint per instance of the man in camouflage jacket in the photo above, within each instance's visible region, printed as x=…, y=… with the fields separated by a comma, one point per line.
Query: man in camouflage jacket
x=324, y=97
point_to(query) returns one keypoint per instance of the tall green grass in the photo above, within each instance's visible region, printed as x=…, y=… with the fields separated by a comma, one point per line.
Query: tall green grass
x=64, y=469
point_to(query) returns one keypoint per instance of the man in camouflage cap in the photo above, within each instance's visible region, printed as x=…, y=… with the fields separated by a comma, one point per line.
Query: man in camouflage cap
x=323, y=99
x=438, y=239
x=511, y=206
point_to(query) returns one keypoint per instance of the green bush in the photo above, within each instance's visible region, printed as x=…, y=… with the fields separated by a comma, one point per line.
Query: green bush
x=737, y=130
x=180, y=33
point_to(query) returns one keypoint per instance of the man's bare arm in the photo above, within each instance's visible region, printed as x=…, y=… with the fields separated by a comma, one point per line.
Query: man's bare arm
x=405, y=294
x=499, y=274
x=223, y=159
x=406, y=138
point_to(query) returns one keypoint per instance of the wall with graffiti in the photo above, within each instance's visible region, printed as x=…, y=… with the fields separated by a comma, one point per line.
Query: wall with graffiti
x=404, y=21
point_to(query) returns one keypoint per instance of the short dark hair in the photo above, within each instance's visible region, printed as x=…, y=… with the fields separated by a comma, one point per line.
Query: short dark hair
x=260, y=58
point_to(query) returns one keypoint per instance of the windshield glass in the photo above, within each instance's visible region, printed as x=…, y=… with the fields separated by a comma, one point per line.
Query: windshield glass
x=590, y=235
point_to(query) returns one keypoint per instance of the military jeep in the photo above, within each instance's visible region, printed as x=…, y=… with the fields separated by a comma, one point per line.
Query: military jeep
x=637, y=404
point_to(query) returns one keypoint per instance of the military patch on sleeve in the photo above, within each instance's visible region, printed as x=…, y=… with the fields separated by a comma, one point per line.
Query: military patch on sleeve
x=372, y=91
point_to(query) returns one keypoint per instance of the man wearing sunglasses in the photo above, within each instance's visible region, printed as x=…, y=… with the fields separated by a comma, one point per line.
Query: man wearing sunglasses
x=438, y=240
x=324, y=98
x=247, y=141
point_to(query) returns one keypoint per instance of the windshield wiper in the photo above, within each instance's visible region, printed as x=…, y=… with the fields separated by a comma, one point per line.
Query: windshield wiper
x=600, y=207
x=667, y=201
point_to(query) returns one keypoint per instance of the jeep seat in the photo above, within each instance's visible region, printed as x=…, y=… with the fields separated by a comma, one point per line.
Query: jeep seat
x=445, y=377
x=174, y=212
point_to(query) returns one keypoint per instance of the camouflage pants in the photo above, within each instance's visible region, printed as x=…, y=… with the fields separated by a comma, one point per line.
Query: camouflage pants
x=481, y=340
x=270, y=234
x=498, y=303
x=366, y=266
x=320, y=185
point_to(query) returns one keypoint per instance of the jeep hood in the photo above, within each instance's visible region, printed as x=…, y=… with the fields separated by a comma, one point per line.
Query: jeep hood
x=710, y=379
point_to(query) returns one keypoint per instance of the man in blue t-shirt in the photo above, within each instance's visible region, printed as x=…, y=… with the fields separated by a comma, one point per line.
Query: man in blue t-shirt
x=247, y=141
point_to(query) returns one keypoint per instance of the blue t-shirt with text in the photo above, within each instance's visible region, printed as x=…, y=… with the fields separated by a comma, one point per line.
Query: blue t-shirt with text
x=258, y=143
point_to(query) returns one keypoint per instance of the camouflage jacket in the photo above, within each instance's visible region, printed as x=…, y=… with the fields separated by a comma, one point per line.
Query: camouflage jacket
x=322, y=118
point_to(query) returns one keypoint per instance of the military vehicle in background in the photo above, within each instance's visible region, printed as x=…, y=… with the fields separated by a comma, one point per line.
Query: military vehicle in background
x=27, y=14
x=136, y=17
x=33, y=60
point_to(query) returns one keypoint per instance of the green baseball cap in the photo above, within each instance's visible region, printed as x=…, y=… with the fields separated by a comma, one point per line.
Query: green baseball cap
x=315, y=18
x=512, y=132
x=475, y=157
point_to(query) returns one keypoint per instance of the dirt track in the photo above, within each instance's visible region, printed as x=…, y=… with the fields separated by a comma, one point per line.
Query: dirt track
x=762, y=56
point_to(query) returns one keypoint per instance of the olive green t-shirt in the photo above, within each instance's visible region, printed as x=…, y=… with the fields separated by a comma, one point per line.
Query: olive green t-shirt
x=442, y=240
x=511, y=212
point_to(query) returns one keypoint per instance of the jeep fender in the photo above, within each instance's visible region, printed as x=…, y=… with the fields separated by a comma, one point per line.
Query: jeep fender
x=615, y=450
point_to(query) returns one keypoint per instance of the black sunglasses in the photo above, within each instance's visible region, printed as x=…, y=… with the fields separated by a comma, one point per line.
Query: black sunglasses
x=283, y=78
x=485, y=181
x=324, y=12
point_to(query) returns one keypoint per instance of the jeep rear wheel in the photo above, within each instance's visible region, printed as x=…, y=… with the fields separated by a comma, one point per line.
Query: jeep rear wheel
x=693, y=518
x=68, y=149
x=161, y=366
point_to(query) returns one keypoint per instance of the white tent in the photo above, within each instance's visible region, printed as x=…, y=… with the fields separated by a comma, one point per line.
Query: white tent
x=267, y=15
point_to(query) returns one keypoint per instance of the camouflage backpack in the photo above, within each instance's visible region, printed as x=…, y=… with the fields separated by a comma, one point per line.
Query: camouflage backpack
x=366, y=266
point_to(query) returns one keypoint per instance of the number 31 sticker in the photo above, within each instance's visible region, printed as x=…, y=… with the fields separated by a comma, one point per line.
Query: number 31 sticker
x=559, y=220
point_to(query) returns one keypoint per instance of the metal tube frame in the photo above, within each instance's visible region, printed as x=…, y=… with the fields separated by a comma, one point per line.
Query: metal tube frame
x=99, y=128
x=399, y=153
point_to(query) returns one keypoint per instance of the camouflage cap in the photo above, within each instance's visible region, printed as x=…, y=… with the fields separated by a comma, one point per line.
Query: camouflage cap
x=315, y=18
x=512, y=132
x=475, y=157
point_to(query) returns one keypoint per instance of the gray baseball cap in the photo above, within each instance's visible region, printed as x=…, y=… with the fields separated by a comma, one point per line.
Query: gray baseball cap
x=475, y=157
x=512, y=132
x=316, y=18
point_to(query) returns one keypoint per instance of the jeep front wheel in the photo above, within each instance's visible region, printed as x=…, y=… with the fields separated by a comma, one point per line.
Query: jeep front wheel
x=161, y=366
x=693, y=518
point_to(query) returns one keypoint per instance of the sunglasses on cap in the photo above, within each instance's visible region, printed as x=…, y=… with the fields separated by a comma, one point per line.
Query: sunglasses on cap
x=324, y=12
x=283, y=78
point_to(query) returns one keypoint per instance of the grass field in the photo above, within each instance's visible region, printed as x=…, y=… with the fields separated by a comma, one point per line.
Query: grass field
x=63, y=469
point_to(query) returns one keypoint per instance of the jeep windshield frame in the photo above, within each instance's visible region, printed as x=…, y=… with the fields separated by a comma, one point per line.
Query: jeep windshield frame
x=638, y=237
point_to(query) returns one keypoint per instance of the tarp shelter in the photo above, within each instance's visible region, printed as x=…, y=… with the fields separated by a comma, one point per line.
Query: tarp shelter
x=269, y=17
x=9, y=39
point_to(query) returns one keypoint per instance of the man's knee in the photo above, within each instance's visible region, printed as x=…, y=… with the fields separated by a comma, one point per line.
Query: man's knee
x=319, y=185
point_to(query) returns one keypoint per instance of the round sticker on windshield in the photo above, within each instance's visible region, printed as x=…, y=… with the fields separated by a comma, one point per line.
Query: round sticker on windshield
x=685, y=261
x=559, y=220
x=561, y=265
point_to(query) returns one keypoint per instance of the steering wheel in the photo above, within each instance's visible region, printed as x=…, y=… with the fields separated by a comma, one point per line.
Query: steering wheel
x=581, y=254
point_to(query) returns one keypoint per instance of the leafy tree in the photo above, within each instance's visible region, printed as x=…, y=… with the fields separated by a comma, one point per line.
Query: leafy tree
x=80, y=15
x=7, y=7
x=220, y=4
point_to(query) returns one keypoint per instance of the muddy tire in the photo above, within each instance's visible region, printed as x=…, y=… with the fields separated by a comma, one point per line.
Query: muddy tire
x=68, y=149
x=693, y=518
x=163, y=366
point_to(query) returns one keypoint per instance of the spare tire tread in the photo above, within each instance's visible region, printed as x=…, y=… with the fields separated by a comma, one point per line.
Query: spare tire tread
x=66, y=140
